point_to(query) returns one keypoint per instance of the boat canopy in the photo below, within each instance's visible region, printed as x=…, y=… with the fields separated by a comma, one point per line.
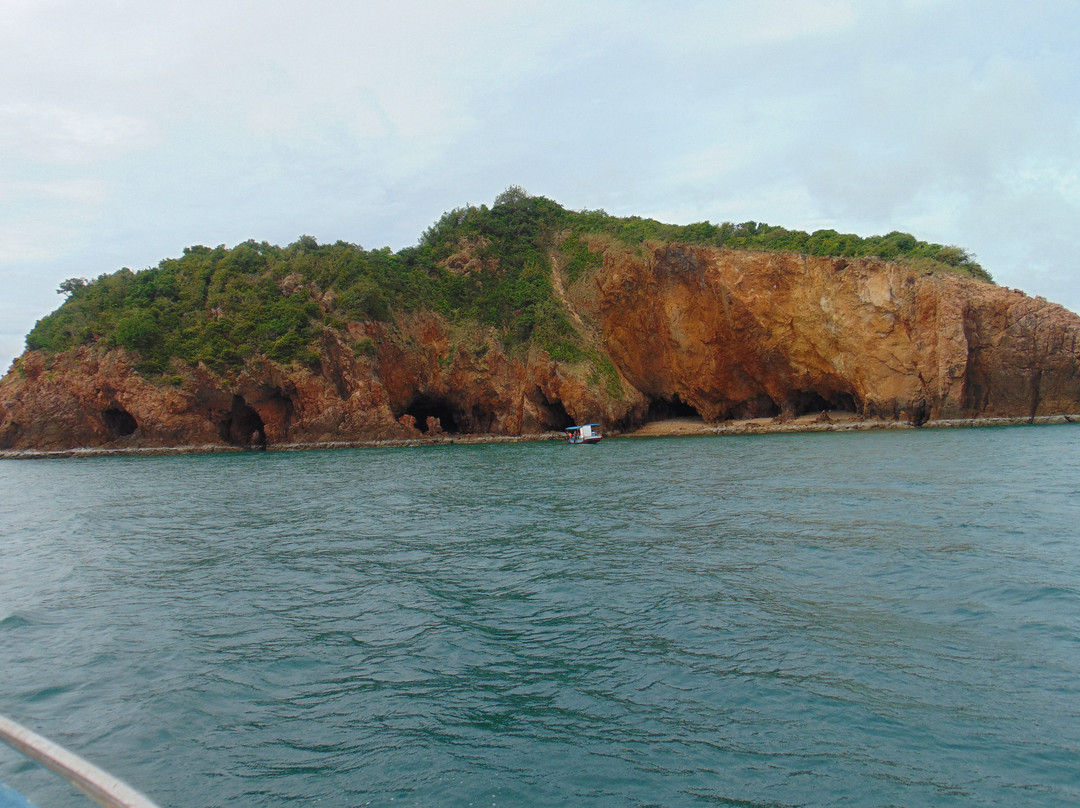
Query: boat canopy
x=586, y=430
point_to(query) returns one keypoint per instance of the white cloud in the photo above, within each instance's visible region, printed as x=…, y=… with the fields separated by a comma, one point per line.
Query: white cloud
x=50, y=133
x=73, y=191
x=780, y=21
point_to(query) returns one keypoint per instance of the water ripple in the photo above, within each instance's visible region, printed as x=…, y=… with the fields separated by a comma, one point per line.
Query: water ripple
x=778, y=620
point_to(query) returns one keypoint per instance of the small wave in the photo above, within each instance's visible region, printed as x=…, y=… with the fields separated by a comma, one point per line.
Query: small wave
x=14, y=621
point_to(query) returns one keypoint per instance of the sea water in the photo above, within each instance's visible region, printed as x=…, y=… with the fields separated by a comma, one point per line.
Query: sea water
x=879, y=618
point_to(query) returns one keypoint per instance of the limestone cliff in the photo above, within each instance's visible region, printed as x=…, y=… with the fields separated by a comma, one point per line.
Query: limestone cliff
x=668, y=328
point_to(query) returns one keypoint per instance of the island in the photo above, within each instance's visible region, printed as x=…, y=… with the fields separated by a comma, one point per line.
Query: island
x=524, y=318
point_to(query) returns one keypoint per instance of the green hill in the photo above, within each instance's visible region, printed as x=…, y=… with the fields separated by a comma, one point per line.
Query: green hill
x=486, y=266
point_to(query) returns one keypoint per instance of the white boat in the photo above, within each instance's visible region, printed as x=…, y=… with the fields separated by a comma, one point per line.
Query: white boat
x=586, y=433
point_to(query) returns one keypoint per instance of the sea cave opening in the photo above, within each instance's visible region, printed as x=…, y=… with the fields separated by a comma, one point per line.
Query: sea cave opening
x=119, y=422
x=558, y=418
x=809, y=402
x=662, y=409
x=423, y=407
x=760, y=406
x=551, y=415
x=242, y=426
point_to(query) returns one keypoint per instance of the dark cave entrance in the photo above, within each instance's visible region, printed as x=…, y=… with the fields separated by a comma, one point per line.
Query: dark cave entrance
x=662, y=409
x=558, y=418
x=551, y=415
x=119, y=422
x=809, y=402
x=424, y=407
x=242, y=426
x=760, y=406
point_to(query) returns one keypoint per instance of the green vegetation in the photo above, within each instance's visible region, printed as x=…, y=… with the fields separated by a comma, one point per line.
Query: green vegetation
x=579, y=258
x=894, y=246
x=486, y=266
x=222, y=306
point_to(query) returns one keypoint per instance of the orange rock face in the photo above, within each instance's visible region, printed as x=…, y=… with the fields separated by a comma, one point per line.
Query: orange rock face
x=680, y=330
x=749, y=334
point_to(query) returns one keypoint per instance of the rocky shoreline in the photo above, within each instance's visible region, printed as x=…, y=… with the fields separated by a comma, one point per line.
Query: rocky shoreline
x=741, y=341
x=677, y=427
x=761, y=426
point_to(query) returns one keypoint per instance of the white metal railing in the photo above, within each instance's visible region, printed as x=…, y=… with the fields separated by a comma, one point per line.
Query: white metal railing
x=100, y=786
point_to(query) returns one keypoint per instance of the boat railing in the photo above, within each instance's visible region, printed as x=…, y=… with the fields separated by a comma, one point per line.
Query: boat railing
x=99, y=785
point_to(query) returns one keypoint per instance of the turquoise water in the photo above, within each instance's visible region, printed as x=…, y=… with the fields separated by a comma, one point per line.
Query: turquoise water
x=885, y=618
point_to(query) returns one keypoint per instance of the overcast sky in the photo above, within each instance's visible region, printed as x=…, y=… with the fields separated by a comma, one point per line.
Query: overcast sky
x=129, y=130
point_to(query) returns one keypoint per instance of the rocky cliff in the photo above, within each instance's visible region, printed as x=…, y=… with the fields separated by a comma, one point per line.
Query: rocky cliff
x=749, y=334
x=666, y=329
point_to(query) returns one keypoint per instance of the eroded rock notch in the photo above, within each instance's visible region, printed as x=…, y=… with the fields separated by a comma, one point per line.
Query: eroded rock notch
x=434, y=414
x=119, y=423
x=242, y=426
